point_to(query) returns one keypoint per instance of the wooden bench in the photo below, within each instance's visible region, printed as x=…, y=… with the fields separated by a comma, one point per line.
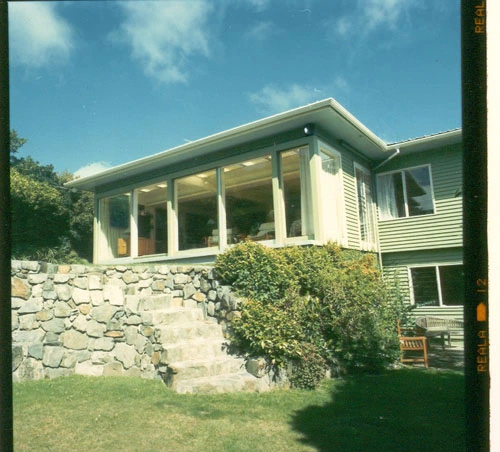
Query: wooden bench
x=431, y=326
x=411, y=346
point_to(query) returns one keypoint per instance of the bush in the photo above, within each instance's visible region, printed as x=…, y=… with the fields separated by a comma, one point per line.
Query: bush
x=312, y=308
x=255, y=271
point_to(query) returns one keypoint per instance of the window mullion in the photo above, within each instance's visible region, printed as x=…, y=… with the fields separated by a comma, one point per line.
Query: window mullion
x=221, y=208
x=134, y=231
x=438, y=280
x=405, y=196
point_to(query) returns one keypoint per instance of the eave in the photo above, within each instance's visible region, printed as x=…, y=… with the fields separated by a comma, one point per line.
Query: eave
x=326, y=115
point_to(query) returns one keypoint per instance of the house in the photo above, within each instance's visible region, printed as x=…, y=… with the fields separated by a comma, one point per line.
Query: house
x=306, y=176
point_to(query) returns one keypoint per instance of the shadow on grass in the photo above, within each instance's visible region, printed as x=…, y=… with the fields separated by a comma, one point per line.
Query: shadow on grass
x=402, y=410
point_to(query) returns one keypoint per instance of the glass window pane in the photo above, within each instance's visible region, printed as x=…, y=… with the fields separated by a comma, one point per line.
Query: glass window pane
x=290, y=169
x=114, y=220
x=152, y=219
x=366, y=225
x=452, y=285
x=424, y=282
x=418, y=190
x=248, y=201
x=196, y=209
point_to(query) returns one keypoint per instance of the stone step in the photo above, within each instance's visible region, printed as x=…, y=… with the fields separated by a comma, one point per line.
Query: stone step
x=138, y=303
x=186, y=370
x=171, y=316
x=236, y=382
x=195, y=349
x=168, y=334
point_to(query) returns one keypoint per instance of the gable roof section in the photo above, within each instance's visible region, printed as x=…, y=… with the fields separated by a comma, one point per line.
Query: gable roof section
x=327, y=115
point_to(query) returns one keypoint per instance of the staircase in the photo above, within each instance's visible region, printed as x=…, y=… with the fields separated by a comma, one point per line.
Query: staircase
x=193, y=357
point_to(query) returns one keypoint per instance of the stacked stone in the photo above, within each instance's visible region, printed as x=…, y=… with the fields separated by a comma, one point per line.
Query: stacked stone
x=70, y=319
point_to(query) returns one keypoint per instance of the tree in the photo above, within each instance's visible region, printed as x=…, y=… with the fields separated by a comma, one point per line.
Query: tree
x=16, y=142
x=49, y=221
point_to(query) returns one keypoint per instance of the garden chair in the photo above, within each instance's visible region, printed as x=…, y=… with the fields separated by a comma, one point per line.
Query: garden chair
x=410, y=345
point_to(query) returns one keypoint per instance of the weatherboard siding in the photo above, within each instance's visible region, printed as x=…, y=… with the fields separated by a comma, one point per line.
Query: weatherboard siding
x=350, y=202
x=443, y=229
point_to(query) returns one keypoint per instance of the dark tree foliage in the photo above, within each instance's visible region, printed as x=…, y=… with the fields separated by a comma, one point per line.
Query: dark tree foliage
x=49, y=221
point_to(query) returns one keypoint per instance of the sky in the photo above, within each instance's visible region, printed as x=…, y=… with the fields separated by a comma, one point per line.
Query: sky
x=98, y=84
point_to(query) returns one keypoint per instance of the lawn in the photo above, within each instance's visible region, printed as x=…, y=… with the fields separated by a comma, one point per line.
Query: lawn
x=402, y=410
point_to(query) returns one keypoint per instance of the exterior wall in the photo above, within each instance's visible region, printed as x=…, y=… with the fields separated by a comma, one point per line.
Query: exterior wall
x=396, y=269
x=440, y=230
x=349, y=188
x=71, y=319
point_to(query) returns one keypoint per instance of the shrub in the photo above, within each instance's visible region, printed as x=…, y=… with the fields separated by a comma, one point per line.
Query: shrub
x=311, y=308
x=255, y=271
x=309, y=371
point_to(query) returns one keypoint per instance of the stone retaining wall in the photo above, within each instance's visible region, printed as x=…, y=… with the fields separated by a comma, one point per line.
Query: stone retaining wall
x=75, y=319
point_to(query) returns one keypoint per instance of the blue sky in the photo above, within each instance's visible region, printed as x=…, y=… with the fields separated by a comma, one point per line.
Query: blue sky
x=104, y=83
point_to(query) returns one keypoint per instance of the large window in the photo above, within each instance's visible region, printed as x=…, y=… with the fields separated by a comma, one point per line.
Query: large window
x=437, y=285
x=405, y=193
x=248, y=198
x=197, y=218
x=152, y=219
x=114, y=221
x=365, y=207
x=296, y=183
x=266, y=198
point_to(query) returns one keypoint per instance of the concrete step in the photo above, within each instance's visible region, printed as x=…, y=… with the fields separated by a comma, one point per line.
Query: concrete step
x=195, y=349
x=171, y=316
x=173, y=333
x=138, y=303
x=236, y=382
x=186, y=370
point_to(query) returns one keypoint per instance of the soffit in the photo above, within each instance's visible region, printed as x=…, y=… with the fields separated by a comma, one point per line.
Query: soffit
x=327, y=115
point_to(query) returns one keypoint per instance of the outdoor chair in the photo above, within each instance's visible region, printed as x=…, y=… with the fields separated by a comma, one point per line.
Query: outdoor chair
x=413, y=348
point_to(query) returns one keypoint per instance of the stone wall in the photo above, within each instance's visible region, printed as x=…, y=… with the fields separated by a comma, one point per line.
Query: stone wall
x=79, y=319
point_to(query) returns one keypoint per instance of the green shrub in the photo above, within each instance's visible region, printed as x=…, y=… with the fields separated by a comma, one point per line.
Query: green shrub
x=309, y=370
x=255, y=271
x=358, y=318
x=312, y=308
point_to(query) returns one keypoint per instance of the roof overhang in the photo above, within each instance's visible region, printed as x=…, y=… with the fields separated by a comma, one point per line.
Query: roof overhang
x=429, y=142
x=326, y=115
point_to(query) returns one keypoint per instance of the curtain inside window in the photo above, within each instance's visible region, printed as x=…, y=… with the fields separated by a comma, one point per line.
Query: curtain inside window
x=387, y=197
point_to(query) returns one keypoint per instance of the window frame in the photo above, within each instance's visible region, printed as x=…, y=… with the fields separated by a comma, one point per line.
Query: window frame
x=436, y=267
x=401, y=171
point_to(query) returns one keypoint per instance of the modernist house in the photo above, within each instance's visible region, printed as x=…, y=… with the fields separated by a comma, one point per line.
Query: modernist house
x=306, y=176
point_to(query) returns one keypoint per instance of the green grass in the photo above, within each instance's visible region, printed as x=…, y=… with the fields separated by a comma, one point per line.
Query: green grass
x=402, y=410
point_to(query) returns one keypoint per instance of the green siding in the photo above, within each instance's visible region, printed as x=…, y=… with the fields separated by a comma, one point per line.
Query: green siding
x=441, y=229
x=396, y=271
x=350, y=202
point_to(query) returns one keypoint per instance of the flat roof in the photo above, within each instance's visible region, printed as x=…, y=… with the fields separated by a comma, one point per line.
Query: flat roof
x=327, y=115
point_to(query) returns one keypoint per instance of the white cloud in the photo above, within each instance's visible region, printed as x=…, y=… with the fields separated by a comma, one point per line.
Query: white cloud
x=259, y=5
x=91, y=168
x=340, y=83
x=272, y=99
x=260, y=31
x=343, y=26
x=368, y=15
x=38, y=34
x=164, y=36
x=384, y=12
